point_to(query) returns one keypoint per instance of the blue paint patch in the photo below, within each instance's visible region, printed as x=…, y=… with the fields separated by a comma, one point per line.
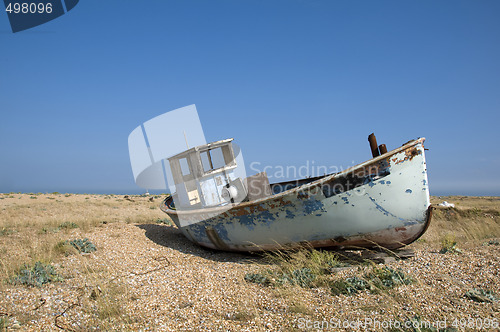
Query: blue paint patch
x=310, y=206
x=346, y=200
x=408, y=191
x=251, y=220
x=371, y=184
x=382, y=181
x=424, y=182
x=246, y=220
x=409, y=223
x=198, y=231
x=289, y=214
x=266, y=216
x=319, y=215
x=221, y=231
x=384, y=211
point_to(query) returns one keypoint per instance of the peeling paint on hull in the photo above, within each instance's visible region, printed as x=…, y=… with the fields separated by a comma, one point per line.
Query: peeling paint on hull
x=382, y=202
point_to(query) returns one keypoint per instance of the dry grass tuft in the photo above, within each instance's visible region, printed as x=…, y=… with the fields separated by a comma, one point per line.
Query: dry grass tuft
x=305, y=267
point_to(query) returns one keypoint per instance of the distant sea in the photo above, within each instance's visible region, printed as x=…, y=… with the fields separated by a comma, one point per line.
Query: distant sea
x=140, y=191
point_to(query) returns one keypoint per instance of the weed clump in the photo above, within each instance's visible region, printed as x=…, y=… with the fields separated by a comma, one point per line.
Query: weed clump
x=386, y=277
x=313, y=268
x=257, y=278
x=68, y=225
x=64, y=248
x=349, y=286
x=83, y=245
x=6, y=231
x=448, y=245
x=305, y=268
x=164, y=221
x=241, y=316
x=36, y=275
x=481, y=295
x=378, y=279
x=3, y=323
x=302, y=277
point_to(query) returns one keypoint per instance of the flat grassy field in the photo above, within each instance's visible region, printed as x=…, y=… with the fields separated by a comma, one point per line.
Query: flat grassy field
x=107, y=262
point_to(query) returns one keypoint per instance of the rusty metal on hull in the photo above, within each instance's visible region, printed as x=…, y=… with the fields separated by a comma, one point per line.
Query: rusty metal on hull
x=382, y=202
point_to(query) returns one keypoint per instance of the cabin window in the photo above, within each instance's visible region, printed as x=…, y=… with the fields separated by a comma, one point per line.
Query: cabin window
x=217, y=158
x=205, y=161
x=212, y=159
x=184, y=166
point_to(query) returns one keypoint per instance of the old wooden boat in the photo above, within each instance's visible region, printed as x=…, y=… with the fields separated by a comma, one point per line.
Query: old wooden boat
x=381, y=202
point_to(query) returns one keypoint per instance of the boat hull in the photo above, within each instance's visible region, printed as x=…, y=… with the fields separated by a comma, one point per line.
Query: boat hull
x=383, y=202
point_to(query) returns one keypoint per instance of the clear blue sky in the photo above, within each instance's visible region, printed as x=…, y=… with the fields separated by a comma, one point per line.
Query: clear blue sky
x=290, y=80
